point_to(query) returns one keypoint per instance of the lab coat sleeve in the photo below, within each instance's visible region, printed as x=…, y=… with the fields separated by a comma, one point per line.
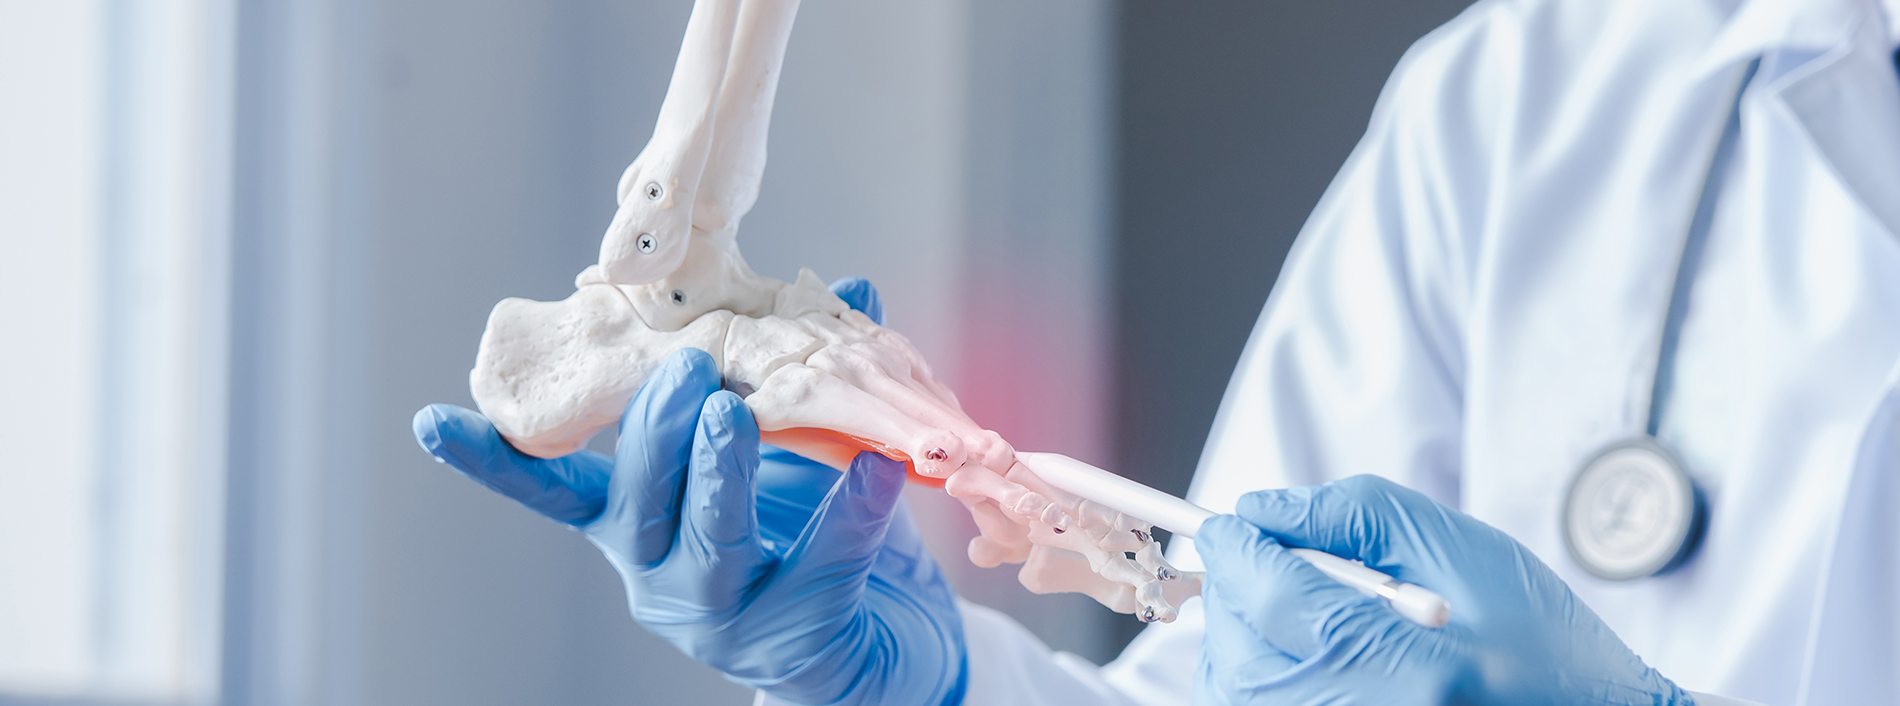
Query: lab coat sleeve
x=1702, y=699
x=1011, y=667
x=1357, y=363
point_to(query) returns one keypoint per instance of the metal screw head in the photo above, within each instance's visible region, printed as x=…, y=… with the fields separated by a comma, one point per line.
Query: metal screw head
x=1140, y=535
x=1148, y=614
x=936, y=454
x=1165, y=574
x=679, y=297
x=654, y=192
x=646, y=243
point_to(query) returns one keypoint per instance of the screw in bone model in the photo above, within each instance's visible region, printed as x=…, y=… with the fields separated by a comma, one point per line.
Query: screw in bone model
x=1140, y=535
x=654, y=191
x=646, y=242
x=1148, y=614
x=936, y=454
x=1166, y=574
x=679, y=297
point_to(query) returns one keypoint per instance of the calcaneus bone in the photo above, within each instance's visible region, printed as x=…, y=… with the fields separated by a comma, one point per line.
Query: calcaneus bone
x=821, y=380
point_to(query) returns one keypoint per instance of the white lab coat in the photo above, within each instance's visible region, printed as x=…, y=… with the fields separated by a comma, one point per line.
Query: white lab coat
x=1477, y=304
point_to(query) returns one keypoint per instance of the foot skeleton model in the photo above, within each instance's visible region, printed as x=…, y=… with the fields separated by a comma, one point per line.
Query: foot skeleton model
x=821, y=380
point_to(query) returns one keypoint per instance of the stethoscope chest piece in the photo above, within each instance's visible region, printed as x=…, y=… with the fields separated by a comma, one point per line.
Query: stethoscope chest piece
x=1632, y=511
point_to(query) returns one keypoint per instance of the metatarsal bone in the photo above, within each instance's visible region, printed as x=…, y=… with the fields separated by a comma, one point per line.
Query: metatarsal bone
x=801, y=396
x=861, y=367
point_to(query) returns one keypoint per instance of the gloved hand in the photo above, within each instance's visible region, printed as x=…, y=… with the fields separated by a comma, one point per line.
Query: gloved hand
x=780, y=572
x=1281, y=632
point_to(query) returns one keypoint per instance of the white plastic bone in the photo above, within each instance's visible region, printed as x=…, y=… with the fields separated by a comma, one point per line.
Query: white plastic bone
x=821, y=380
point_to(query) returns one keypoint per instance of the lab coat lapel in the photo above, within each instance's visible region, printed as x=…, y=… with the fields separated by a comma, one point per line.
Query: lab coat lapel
x=1760, y=26
x=1847, y=101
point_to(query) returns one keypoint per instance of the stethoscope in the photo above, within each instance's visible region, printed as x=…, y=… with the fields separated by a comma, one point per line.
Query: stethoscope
x=1632, y=510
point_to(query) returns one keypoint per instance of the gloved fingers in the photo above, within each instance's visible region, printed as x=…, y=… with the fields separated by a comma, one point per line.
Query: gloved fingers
x=719, y=529
x=791, y=487
x=656, y=439
x=849, y=528
x=570, y=489
x=1388, y=526
x=903, y=553
x=860, y=295
x=1288, y=603
x=1235, y=663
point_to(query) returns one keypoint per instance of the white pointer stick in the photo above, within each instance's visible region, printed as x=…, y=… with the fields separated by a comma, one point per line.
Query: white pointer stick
x=1181, y=517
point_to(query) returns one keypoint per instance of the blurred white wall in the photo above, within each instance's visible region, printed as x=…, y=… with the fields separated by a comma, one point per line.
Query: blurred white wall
x=404, y=164
x=113, y=270
x=49, y=164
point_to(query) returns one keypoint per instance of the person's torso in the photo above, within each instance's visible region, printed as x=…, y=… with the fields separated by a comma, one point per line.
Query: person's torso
x=1782, y=403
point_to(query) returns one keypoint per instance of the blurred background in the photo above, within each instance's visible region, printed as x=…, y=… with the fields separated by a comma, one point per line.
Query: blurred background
x=242, y=241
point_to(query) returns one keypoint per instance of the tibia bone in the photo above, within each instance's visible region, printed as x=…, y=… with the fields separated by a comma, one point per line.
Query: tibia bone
x=736, y=164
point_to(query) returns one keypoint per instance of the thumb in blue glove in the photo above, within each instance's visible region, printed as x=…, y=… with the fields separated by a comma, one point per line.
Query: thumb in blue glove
x=1281, y=632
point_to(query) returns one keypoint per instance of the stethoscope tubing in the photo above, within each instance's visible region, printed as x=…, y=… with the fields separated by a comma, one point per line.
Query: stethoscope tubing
x=1663, y=464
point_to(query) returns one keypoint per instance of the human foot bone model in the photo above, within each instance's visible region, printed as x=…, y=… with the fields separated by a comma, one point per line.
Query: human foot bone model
x=821, y=379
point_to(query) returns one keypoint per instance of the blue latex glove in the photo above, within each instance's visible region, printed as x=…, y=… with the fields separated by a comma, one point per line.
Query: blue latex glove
x=782, y=573
x=1281, y=632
